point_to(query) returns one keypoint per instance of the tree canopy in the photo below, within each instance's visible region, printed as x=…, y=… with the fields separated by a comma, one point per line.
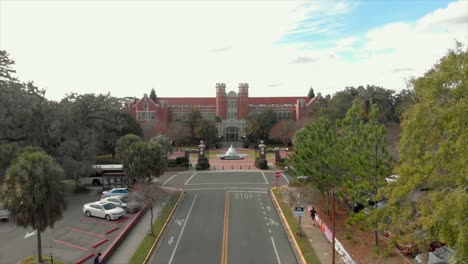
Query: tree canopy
x=259, y=125
x=74, y=130
x=431, y=193
x=311, y=93
x=141, y=159
x=33, y=192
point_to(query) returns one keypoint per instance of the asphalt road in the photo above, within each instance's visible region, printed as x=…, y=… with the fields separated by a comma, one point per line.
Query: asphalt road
x=72, y=238
x=224, y=217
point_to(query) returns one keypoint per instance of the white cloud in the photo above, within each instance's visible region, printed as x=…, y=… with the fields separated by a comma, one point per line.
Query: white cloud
x=184, y=48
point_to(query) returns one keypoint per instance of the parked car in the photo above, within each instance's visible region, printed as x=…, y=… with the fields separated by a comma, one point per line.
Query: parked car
x=391, y=178
x=438, y=256
x=103, y=209
x=302, y=178
x=115, y=192
x=4, y=213
x=129, y=205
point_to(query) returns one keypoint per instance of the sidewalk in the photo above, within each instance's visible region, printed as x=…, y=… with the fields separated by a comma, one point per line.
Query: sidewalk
x=129, y=245
x=318, y=241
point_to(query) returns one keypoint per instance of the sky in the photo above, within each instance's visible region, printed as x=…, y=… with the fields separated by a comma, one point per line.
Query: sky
x=183, y=48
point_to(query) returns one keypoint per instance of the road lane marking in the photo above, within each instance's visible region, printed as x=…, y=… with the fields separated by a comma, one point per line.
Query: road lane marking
x=171, y=240
x=84, y=232
x=193, y=175
x=70, y=245
x=286, y=178
x=224, y=253
x=276, y=251
x=182, y=231
x=180, y=222
x=212, y=183
x=169, y=179
x=264, y=177
x=234, y=189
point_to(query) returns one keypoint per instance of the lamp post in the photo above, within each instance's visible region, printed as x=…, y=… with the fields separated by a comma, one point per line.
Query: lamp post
x=286, y=152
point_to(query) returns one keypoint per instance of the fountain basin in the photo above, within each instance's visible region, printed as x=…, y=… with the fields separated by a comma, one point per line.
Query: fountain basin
x=231, y=154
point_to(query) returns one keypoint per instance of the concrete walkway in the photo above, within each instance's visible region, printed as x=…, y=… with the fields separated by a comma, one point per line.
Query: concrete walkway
x=318, y=241
x=129, y=245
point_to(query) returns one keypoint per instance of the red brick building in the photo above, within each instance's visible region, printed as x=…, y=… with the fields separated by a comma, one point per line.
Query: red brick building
x=233, y=108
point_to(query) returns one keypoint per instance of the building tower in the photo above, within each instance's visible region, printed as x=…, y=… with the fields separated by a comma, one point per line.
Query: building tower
x=243, y=101
x=221, y=108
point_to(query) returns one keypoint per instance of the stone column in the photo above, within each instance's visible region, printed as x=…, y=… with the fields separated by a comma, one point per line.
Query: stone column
x=262, y=150
x=201, y=150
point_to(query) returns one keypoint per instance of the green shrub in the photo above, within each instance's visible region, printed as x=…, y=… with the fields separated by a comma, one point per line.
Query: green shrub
x=80, y=189
x=182, y=159
x=202, y=164
x=203, y=159
x=281, y=162
x=185, y=164
x=261, y=164
x=171, y=163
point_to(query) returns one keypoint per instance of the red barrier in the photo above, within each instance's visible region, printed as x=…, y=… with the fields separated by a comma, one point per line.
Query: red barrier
x=100, y=243
x=112, y=230
x=83, y=260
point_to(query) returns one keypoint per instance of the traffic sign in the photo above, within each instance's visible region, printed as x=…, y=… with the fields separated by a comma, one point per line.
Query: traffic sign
x=277, y=174
x=299, y=210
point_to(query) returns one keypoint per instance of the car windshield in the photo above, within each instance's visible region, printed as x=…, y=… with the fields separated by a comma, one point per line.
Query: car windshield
x=124, y=199
x=108, y=206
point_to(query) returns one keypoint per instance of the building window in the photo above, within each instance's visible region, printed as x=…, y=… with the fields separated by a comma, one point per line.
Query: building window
x=177, y=116
x=232, y=104
x=283, y=115
x=232, y=115
x=145, y=105
x=146, y=115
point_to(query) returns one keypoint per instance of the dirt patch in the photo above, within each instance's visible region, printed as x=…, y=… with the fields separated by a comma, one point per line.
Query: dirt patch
x=359, y=243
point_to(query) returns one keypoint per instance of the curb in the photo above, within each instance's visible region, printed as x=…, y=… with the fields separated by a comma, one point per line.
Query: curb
x=163, y=228
x=116, y=241
x=292, y=240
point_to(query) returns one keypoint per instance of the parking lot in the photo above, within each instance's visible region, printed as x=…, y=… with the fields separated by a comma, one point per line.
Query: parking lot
x=74, y=239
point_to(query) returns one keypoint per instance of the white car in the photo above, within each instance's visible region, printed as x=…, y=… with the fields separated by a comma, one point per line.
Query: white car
x=391, y=178
x=103, y=209
x=124, y=202
x=439, y=256
x=4, y=213
x=115, y=192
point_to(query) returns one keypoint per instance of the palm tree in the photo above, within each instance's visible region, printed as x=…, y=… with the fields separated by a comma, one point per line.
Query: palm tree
x=34, y=193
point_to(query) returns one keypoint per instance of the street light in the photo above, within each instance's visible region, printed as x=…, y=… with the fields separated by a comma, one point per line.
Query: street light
x=286, y=152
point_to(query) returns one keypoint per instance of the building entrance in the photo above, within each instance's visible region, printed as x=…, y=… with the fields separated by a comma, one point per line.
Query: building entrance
x=231, y=134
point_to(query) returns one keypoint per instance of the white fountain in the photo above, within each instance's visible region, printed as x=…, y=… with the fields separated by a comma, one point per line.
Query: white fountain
x=231, y=154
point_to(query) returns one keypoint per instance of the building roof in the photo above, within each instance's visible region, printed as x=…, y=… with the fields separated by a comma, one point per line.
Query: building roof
x=212, y=100
x=188, y=100
x=277, y=100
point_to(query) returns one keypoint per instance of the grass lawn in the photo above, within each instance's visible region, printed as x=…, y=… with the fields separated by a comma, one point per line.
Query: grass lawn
x=147, y=242
x=33, y=260
x=303, y=242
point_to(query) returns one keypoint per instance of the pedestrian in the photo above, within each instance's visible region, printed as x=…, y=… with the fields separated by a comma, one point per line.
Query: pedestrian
x=97, y=259
x=312, y=214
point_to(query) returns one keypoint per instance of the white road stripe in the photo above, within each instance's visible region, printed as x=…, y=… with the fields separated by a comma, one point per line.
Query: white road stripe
x=182, y=231
x=193, y=175
x=264, y=177
x=232, y=191
x=226, y=188
x=276, y=251
x=212, y=183
x=169, y=179
x=286, y=178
